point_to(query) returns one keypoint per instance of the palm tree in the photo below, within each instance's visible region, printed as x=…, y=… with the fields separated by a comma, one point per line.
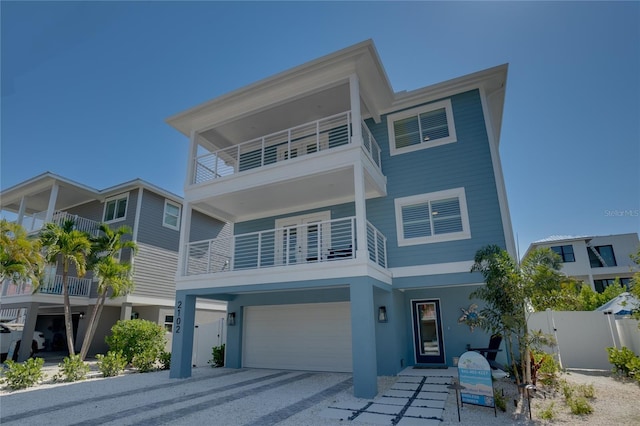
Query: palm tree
x=20, y=257
x=114, y=276
x=71, y=247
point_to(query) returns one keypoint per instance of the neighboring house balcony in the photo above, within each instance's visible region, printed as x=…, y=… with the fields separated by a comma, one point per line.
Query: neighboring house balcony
x=36, y=222
x=311, y=164
x=322, y=243
x=78, y=287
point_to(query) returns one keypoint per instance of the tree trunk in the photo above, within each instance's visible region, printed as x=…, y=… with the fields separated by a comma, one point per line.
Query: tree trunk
x=67, y=308
x=91, y=327
x=514, y=364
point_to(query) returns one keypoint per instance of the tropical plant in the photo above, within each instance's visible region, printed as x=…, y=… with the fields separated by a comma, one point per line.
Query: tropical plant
x=73, y=369
x=25, y=374
x=111, y=364
x=217, y=356
x=137, y=337
x=66, y=244
x=20, y=257
x=509, y=289
x=114, y=276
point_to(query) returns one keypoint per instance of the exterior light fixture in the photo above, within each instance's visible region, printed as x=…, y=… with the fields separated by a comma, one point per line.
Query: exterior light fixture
x=81, y=315
x=231, y=318
x=382, y=314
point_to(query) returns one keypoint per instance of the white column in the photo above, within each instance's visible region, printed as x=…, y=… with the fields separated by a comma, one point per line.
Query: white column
x=356, y=116
x=185, y=229
x=361, y=211
x=23, y=207
x=191, y=158
x=53, y=196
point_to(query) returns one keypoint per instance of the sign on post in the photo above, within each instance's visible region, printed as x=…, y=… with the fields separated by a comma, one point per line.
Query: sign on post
x=474, y=374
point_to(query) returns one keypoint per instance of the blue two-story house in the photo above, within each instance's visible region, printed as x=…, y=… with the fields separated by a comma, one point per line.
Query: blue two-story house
x=356, y=215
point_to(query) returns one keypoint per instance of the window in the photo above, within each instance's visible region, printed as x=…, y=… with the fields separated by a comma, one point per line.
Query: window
x=600, y=285
x=168, y=323
x=565, y=252
x=171, y=217
x=601, y=256
x=430, y=218
x=115, y=208
x=420, y=128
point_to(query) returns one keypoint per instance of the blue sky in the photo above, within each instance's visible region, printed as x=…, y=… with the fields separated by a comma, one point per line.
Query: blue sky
x=86, y=87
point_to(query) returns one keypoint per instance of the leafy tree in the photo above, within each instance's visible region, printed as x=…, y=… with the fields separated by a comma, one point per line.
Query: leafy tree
x=508, y=291
x=137, y=338
x=114, y=277
x=71, y=247
x=20, y=257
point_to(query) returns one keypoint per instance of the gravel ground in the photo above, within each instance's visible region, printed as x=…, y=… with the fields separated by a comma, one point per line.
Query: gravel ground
x=617, y=402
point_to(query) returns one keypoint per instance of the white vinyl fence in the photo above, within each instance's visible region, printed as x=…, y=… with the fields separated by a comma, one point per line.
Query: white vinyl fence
x=582, y=337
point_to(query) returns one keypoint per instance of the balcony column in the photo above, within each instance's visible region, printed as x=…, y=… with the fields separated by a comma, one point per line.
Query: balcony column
x=191, y=159
x=356, y=116
x=27, y=331
x=53, y=196
x=185, y=229
x=183, y=331
x=22, y=209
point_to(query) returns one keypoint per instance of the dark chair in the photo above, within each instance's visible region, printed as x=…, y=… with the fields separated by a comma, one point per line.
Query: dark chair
x=491, y=352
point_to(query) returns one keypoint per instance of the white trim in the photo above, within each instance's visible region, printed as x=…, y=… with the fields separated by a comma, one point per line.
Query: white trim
x=446, y=104
x=433, y=196
x=164, y=215
x=115, y=198
x=438, y=319
x=433, y=269
x=136, y=221
x=507, y=226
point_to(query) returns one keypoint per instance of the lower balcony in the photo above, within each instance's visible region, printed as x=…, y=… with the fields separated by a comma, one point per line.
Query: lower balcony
x=78, y=287
x=318, y=242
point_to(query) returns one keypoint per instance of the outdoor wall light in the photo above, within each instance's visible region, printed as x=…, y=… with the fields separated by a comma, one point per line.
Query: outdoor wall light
x=81, y=315
x=231, y=318
x=382, y=314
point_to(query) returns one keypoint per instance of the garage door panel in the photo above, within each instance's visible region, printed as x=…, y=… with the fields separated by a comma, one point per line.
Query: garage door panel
x=298, y=337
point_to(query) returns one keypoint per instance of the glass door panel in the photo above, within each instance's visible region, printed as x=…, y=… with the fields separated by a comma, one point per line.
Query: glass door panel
x=427, y=332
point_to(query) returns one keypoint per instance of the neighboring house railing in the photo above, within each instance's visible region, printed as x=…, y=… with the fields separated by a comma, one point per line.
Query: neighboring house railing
x=309, y=138
x=315, y=242
x=36, y=222
x=79, y=287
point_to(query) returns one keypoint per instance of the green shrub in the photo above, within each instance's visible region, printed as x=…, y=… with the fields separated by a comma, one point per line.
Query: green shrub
x=579, y=405
x=619, y=358
x=548, y=413
x=72, y=369
x=634, y=368
x=567, y=389
x=217, y=353
x=111, y=364
x=547, y=369
x=145, y=361
x=165, y=360
x=137, y=337
x=25, y=374
x=500, y=401
x=587, y=391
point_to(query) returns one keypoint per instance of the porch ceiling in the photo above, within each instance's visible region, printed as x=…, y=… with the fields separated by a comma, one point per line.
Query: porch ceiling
x=37, y=197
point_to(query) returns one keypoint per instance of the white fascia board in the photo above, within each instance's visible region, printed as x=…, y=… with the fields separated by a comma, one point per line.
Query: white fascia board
x=139, y=183
x=434, y=269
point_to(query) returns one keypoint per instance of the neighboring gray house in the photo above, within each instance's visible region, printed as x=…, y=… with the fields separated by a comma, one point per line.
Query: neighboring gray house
x=153, y=214
x=356, y=213
x=597, y=260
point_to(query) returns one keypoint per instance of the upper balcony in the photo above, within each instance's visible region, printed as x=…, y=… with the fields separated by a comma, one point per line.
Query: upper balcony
x=78, y=287
x=36, y=222
x=313, y=164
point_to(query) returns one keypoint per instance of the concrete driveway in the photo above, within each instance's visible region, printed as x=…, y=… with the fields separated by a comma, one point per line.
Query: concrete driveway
x=228, y=397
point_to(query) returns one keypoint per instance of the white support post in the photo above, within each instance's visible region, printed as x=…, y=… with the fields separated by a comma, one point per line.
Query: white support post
x=185, y=228
x=356, y=115
x=191, y=160
x=23, y=208
x=51, y=208
x=361, y=211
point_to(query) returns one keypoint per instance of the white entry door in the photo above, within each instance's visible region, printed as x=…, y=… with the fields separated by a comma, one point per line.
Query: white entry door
x=302, y=239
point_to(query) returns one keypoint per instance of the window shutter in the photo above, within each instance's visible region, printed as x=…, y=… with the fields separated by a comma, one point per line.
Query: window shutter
x=416, y=221
x=407, y=132
x=434, y=124
x=446, y=216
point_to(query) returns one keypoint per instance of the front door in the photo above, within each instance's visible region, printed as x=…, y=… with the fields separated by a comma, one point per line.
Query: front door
x=302, y=239
x=427, y=331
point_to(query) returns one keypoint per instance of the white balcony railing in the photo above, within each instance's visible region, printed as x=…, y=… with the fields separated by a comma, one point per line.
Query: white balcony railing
x=309, y=138
x=79, y=287
x=327, y=241
x=36, y=222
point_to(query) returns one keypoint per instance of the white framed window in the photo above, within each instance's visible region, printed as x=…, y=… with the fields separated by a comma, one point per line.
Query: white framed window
x=115, y=208
x=171, y=216
x=432, y=218
x=419, y=128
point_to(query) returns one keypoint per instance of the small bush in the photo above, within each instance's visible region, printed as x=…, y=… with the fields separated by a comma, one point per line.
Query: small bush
x=587, y=391
x=567, y=390
x=500, y=401
x=619, y=358
x=111, y=364
x=579, y=405
x=634, y=368
x=548, y=413
x=145, y=361
x=73, y=369
x=141, y=338
x=25, y=374
x=547, y=369
x=217, y=353
x=165, y=360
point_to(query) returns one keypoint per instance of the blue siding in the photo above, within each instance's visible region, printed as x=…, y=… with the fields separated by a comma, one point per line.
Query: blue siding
x=465, y=163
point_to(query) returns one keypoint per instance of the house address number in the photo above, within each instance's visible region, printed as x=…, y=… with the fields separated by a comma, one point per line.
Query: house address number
x=178, y=316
